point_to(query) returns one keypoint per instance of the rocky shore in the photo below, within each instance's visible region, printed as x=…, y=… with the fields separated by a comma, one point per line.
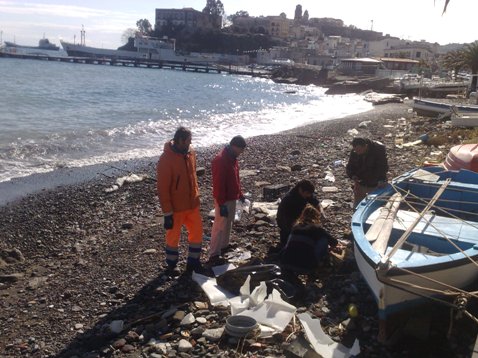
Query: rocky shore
x=82, y=267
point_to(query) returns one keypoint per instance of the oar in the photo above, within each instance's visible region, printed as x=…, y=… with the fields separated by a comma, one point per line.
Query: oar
x=407, y=233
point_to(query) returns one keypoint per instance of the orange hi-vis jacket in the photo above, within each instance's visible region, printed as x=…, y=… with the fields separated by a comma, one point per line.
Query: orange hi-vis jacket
x=176, y=180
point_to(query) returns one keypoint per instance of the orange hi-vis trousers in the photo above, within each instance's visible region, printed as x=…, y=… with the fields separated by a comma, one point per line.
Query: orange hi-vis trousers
x=193, y=222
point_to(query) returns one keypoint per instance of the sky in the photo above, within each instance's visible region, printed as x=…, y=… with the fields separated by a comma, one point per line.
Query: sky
x=105, y=21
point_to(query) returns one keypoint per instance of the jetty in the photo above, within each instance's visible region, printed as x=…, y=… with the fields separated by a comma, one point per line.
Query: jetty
x=144, y=63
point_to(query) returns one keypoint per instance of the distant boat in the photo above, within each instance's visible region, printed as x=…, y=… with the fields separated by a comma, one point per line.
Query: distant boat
x=417, y=240
x=44, y=48
x=141, y=48
x=433, y=108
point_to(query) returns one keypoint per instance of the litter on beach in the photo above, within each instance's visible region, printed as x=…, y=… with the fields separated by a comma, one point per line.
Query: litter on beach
x=322, y=343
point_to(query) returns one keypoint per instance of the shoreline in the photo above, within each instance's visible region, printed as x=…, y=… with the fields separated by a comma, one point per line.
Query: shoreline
x=17, y=188
x=91, y=257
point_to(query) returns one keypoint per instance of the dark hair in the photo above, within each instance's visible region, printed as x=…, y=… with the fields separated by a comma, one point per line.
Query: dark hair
x=238, y=141
x=182, y=133
x=305, y=185
x=359, y=141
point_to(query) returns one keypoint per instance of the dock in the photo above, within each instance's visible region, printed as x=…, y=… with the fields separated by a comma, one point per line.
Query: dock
x=143, y=63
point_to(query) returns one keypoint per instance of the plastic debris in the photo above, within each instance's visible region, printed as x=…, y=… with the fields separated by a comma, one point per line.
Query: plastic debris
x=353, y=132
x=329, y=176
x=330, y=189
x=270, y=209
x=326, y=203
x=322, y=343
x=132, y=178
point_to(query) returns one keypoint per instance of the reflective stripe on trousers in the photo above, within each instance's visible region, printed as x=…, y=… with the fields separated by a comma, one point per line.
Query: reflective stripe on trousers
x=193, y=222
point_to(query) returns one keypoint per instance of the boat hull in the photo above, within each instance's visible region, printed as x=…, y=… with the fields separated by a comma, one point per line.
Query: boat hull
x=433, y=108
x=430, y=265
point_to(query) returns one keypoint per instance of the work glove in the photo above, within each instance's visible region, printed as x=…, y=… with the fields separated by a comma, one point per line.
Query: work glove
x=168, y=222
x=223, y=211
x=242, y=199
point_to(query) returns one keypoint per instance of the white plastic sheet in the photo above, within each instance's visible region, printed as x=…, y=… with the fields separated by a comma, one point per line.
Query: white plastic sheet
x=322, y=343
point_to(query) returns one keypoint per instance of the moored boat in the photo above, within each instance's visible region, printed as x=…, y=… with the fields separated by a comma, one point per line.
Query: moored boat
x=142, y=48
x=433, y=108
x=44, y=48
x=417, y=240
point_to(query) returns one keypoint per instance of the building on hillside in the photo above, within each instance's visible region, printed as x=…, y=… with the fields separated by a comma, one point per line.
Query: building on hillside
x=187, y=17
x=396, y=67
x=413, y=50
x=378, y=48
x=359, y=66
x=279, y=26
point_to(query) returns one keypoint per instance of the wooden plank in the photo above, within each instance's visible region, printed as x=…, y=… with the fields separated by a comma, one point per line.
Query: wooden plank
x=380, y=231
x=407, y=233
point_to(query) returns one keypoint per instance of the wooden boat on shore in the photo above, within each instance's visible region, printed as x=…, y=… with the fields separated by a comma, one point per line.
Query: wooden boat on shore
x=429, y=108
x=417, y=240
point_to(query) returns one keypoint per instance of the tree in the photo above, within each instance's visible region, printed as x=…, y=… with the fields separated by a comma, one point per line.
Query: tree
x=240, y=13
x=464, y=59
x=127, y=34
x=144, y=26
x=214, y=7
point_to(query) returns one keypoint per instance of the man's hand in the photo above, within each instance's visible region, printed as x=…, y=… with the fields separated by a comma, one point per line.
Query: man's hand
x=223, y=211
x=242, y=199
x=168, y=222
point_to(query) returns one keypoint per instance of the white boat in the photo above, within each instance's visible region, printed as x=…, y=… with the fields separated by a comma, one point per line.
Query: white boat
x=429, y=108
x=417, y=240
x=143, y=48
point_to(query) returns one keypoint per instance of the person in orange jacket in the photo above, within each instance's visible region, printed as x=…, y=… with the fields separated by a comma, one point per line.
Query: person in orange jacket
x=178, y=193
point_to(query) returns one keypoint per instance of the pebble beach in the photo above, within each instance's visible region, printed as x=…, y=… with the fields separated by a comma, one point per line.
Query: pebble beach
x=75, y=258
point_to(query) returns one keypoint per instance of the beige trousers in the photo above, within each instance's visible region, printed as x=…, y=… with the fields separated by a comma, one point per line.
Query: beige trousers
x=221, y=228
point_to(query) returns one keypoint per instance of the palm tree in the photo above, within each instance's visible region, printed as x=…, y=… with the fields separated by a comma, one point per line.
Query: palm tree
x=464, y=59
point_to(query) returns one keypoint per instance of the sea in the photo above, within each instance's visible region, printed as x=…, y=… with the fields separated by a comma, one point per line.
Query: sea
x=65, y=115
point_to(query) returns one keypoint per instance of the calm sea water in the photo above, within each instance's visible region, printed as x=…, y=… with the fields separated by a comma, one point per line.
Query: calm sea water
x=72, y=115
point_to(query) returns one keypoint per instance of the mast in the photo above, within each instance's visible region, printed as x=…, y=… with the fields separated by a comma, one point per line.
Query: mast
x=82, y=39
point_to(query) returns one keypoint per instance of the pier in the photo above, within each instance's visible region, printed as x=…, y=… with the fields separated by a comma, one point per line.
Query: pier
x=184, y=66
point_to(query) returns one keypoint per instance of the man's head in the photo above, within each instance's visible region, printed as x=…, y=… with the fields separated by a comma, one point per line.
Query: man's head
x=305, y=188
x=359, y=145
x=182, y=139
x=237, y=144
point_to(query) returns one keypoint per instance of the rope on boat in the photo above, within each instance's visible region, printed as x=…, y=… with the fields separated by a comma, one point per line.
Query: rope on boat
x=409, y=230
x=460, y=301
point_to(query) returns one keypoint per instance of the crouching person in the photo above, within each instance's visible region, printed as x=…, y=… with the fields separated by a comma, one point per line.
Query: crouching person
x=307, y=244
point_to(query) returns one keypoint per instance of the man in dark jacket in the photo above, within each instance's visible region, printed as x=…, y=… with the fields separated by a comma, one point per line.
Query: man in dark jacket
x=291, y=207
x=226, y=187
x=367, y=167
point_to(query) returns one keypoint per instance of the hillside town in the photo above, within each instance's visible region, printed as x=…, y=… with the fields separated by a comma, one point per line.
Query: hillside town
x=305, y=39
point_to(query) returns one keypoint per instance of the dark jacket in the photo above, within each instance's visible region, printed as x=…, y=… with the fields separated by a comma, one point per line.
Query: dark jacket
x=226, y=184
x=291, y=207
x=301, y=250
x=370, y=167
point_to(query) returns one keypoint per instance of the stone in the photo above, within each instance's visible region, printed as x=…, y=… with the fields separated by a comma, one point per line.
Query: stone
x=127, y=226
x=150, y=251
x=200, y=171
x=213, y=334
x=119, y=343
x=184, y=346
x=274, y=192
x=201, y=320
x=296, y=168
x=188, y=319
